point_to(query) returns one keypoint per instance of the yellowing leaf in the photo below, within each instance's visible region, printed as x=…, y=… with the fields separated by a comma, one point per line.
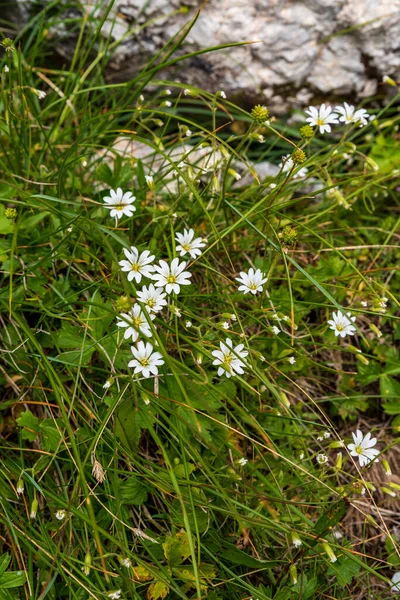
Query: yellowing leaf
x=142, y=574
x=156, y=590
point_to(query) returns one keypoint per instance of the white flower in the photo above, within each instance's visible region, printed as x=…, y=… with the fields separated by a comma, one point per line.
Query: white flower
x=252, y=281
x=363, y=447
x=225, y=325
x=60, y=515
x=292, y=360
x=364, y=303
x=146, y=361
x=341, y=324
x=322, y=459
x=221, y=94
x=115, y=595
x=153, y=298
x=243, y=461
x=188, y=132
x=150, y=181
x=166, y=103
x=126, y=562
x=350, y=115
x=135, y=322
x=120, y=203
x=167, y=92
x=6, y=69
x=108, y=384
x=233, y=317
x=327, y=434
x=39, y=93
x=287, y=165
x=396, y=582
x=188, y=324
x=276, y=330
x=321, y=117
x=320, y=438
x=137, y=265
x=176, y=311
x=20, y=488
x=188, y=244
x=296, y=541
x=171, y=276
x=229, y=358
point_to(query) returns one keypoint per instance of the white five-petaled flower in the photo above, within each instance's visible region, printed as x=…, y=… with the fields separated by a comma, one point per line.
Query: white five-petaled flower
x=287, y=165
x=137, y=265
x=322, y=459
x=114, y=595
x=135, y=322
x=276, y=330
x=252, y=281
x=171, y=276
x=145, y=360
x=60, y=515
x=228, y=358
x=342, y=324
x=322, y=117
x=363, y=447
x=348, y=114
x=292, y=360
x=153, y=298
x=120, y=203
x=188, y=244
x=243, y=461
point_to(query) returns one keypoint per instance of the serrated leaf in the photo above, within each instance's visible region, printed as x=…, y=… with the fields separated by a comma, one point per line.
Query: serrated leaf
x=51, y=435
x=30, y=425
x=344, y=569
x=141, y=573
x=182, y=471
x=176, y=548
x=157, y=590
x=134, y=491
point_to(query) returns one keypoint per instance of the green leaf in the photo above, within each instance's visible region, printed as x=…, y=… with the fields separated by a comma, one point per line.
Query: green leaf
x=4, y=562
x=129, y=422
x=104, y=174
x=306, y=588
x=344, y=570
x=12, y=579
x=30, y=425
x=134, y=491
x=51, y=435
x=6, y=225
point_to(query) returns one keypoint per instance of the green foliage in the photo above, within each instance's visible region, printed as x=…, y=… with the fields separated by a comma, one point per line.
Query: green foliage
x=190, y=484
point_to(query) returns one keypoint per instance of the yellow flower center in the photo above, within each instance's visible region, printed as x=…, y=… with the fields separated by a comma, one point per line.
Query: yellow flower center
x=227, y=361
x=339, y=327
x=320, y=122
x=253, y=286
x=137, y=322
x=135, y=267
x=186, y=247
x=151, y=302
x=119, y=206
x=358, y=449
x=144, y=362
x=171, y=279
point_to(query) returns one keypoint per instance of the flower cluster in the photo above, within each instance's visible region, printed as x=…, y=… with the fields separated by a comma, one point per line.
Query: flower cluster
x=325, y=116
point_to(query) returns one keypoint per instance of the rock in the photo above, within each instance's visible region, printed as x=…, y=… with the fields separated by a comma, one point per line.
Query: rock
x=303, y=50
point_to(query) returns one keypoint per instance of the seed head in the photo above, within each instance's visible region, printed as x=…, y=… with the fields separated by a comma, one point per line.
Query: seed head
x=123, y=304
x=298, y=156
x=260, y=113
x=11, y=213
x=288, y=235
x=306, y=132
x=8, y=45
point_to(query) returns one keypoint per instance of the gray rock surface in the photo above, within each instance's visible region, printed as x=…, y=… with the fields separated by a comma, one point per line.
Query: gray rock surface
x=304, y=50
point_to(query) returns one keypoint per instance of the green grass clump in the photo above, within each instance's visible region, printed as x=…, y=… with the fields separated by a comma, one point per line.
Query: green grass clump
x=192, y=484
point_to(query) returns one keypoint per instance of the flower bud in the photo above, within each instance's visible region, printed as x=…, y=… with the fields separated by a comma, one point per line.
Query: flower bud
x=306, y=132
x=331, y=555
x=293, y=574
x=87, y=564
x=10, y=213
x=34, y=507
x=296, y=541
x=338, y=462
x=386, y=466
x=20, y=486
